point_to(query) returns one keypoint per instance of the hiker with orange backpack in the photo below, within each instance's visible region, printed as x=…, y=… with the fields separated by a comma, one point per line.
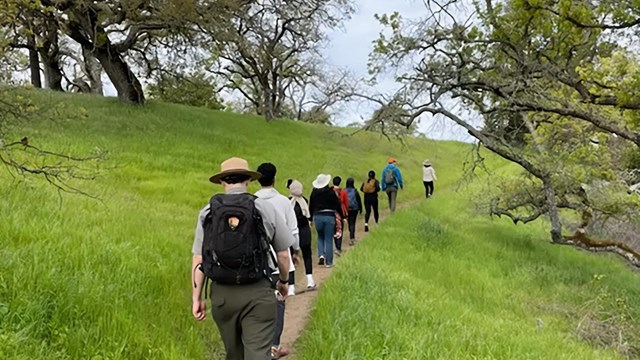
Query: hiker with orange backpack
x=391, y=182
x=370, y=188
x=355, y=207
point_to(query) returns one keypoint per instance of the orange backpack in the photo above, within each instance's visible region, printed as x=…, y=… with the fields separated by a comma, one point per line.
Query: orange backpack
x=369, y=186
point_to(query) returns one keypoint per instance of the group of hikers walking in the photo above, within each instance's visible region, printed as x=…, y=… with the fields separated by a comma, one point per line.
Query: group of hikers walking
x=247, y=245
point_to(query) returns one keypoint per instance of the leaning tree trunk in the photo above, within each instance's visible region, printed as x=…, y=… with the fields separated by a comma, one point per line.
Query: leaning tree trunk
x=34, y=67
x=52, y=74
x=34, y=63
x=50, y=55
x=124, y=80
x=267, y=104
x=84, y=27
x=93, y=71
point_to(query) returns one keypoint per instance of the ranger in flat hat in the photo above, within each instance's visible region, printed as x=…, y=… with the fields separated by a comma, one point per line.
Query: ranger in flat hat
x=242, y=300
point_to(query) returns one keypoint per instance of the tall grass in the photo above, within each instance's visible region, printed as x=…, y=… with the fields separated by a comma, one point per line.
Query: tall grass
x=109, y=279
x=439, y=281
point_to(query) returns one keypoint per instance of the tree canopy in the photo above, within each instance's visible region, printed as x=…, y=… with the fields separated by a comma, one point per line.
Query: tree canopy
x=553, y=83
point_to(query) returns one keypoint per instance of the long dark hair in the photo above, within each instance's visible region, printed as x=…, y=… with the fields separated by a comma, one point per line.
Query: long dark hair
x=350, y=182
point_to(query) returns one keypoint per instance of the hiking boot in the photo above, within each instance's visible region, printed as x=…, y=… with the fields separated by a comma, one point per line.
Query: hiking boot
x=352, y=242
x=366, y=227
x=338, y=252
x=279, y=352
x=321, y=260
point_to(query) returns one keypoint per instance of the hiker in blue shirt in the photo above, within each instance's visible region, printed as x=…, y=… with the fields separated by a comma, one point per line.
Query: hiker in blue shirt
x=355, y=208
x=391, y=182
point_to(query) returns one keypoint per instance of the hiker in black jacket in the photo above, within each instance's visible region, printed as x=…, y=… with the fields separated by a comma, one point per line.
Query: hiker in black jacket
x=370, y=188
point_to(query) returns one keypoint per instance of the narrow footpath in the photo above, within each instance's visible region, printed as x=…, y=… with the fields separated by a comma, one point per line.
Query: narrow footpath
x=299, y=307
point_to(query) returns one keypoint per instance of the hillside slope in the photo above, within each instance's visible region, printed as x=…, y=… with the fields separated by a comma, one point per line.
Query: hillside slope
x=440, y=281
x=109, y=279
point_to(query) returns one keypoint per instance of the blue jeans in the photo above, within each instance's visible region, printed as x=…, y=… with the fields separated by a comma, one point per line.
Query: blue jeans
x=325, y=226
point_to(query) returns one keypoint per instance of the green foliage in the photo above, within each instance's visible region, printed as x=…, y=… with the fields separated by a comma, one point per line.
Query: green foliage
x=390, y=120
x=24, y=157
x=437, y=281
x=196, y=90
x=316, y=115
x=631, y=159
x=546, y=85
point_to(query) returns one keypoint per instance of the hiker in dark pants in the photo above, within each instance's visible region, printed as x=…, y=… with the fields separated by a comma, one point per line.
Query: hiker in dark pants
x=283, y=207
x=301, y=208
x=242, y=300
x=391, y=182
x=370, y=188
x=428, y=178
x=355, y=207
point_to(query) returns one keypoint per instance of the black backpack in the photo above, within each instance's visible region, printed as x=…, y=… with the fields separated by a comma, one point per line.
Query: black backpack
x=235, y=246
x=353, y=198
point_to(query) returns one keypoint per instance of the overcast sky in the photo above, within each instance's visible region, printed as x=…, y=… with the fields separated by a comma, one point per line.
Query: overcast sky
x=350, y=48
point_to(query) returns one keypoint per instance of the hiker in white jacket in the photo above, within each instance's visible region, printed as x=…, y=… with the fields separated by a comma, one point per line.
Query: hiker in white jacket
x=428, y=177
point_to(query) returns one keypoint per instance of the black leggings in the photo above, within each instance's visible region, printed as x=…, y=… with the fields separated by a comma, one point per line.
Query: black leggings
x=305, y=247
x=428, y=188
x=371, y=201
x=353, y=216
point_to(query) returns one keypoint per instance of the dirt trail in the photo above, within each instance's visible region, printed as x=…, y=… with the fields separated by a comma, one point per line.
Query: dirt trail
x=299, y=306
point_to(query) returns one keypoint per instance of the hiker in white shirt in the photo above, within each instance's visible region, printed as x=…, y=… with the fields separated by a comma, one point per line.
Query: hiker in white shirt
x=283, y=207
x=428, y=177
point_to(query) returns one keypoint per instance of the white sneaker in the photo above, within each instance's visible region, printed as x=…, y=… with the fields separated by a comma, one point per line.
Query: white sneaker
x=292, y=290
x=310, y=283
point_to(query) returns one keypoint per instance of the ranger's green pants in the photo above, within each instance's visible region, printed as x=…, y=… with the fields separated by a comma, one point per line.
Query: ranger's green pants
x=246, y=318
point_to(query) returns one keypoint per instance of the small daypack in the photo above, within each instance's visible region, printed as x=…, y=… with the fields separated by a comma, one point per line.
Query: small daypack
x=235, y=246
x=389, y=176
x=353, y=199
x=369, y=186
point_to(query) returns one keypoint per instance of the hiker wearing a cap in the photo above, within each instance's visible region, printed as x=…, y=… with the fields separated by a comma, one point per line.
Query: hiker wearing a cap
x=301, y=208
x=391, y=182
x=344, y=201
x=242, y=299
x=370, y=188
x=428, y=177
x=323, y=206
x=283, y=208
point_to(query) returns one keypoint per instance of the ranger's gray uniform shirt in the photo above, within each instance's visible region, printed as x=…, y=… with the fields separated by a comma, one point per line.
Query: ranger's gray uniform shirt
x=278, y=232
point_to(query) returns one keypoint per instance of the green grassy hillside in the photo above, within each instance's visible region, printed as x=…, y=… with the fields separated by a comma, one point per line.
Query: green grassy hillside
x=439, y=281
x=109, y=279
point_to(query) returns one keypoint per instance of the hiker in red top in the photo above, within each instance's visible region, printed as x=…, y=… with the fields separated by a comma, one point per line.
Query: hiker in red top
x=344, y=201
